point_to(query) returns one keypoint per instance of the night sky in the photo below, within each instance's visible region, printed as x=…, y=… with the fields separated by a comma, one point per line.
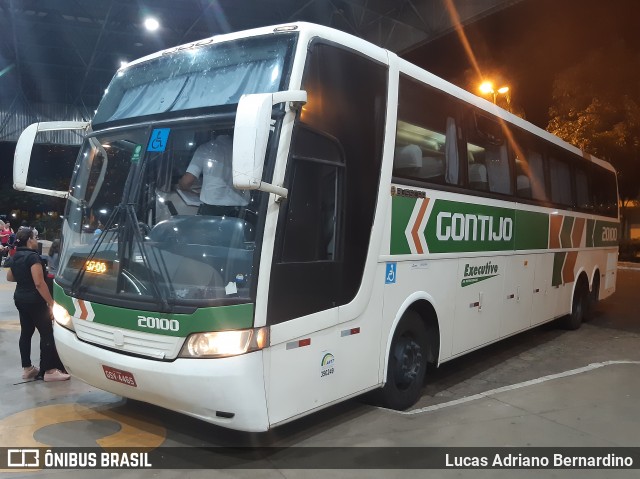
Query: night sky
x=528, y=43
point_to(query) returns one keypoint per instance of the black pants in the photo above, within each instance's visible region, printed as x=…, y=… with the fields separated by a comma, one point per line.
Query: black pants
x=215, y=210
x=37, y=316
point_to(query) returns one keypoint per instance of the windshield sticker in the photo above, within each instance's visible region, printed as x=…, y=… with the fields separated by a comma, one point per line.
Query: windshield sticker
x=231, y=288
x=135, y=157
x=158, y=141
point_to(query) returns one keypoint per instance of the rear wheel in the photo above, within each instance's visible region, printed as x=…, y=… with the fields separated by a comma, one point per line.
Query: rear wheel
x=407, y=364
x=579, y=307
x=592, y=299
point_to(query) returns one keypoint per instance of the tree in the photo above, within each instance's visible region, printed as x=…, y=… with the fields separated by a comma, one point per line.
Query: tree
x=596, y=107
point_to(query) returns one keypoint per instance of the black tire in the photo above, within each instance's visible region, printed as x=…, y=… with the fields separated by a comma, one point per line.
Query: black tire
x=592, y=299
x=406, y=365
x=579, y=307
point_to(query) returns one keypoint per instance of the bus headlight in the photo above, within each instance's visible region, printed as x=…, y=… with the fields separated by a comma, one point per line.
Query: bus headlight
x=221, y=344
x=62, y=316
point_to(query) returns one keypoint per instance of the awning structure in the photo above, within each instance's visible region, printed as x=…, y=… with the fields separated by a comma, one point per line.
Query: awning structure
x=57, y=57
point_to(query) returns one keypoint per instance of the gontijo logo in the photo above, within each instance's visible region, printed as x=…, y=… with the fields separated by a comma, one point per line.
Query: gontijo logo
x=465, y=227
x=428, y=226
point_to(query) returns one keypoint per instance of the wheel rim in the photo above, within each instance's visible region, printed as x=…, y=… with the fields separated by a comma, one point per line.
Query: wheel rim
x=409, y=357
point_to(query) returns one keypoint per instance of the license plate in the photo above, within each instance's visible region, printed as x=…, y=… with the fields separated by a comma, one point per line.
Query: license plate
x=119, y=376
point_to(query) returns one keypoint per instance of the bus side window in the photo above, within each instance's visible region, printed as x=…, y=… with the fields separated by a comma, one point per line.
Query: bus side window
x=311, y=217
x=561, y=191
x=583, y=195
x=407, y=161
x=488, y=160
x=477, y=174
x=426, y=138
x=529, y=167
x=536, y=167
x=312, y=220
x=604, y=191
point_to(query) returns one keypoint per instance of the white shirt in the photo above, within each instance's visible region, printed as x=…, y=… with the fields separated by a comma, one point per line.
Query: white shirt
x=213, y=161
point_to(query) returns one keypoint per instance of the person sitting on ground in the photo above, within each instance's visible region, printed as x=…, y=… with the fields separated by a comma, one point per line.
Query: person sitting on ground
x=213, y=160
x=34, y=302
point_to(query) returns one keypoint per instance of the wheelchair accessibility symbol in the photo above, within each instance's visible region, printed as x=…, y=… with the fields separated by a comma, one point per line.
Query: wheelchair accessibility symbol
x=390, y=274
x=158, y=140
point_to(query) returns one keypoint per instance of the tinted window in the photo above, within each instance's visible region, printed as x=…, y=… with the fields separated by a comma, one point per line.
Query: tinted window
x=333, y=177
x=560, y=177
x=209, y=75
x=347, y=101
x=310, y=231
x=426, y=136
x=583, y=197
x=488, y=160
x=529, y=167
x=604, y=191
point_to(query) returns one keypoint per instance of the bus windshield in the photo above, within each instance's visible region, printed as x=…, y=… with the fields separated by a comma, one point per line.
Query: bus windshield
x=202, y=75
x=134, y=230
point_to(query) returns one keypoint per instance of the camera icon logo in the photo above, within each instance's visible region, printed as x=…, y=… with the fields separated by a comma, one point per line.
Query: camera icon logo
x=23, y=457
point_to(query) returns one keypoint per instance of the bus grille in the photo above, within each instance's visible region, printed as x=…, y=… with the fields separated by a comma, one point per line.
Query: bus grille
x=156, y=346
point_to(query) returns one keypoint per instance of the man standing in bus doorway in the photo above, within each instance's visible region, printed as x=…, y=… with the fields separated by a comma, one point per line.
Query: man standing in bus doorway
x=213, y=160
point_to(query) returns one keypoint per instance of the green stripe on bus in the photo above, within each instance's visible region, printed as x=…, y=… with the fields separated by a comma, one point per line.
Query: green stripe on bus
x=591, y=224
x=565, y=232
x=531, y=230
x=458, y=227
x=401, y=209
x=62, y=299
x=219, y=318
x=558, y=263
x=605, y=233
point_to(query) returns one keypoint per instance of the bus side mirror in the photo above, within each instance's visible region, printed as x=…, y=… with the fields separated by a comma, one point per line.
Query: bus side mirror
x=253, y=122
x=24, y=146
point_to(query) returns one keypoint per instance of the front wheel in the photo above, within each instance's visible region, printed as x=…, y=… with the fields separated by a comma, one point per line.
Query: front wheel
x=406, y=365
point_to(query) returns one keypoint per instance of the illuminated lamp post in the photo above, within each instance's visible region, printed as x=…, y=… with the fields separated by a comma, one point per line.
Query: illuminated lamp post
x=486, y=88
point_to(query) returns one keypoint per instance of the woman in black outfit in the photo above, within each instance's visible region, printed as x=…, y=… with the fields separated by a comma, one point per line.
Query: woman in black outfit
x=34, y=303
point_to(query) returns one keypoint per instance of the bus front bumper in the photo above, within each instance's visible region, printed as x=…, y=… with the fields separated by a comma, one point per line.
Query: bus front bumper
x=229, y=392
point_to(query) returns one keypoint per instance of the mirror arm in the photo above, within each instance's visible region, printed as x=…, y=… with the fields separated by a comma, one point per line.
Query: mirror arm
x=276, y=190
x=296, y=98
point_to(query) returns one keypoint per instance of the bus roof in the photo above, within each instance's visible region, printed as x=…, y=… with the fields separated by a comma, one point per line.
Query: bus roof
x=311, y=30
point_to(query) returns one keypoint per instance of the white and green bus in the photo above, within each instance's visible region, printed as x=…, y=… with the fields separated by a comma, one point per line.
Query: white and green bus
x=391, y=220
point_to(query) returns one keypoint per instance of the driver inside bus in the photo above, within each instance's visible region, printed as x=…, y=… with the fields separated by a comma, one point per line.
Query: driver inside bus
x=212, y=160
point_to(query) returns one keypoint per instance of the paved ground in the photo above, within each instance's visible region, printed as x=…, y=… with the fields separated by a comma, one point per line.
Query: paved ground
x=546, y=387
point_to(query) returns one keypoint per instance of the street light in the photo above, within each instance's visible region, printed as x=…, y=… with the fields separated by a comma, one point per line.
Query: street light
x=486, y=88
x=151, y=24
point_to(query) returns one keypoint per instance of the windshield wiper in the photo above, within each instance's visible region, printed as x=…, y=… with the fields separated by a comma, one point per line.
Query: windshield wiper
x=132, y=222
